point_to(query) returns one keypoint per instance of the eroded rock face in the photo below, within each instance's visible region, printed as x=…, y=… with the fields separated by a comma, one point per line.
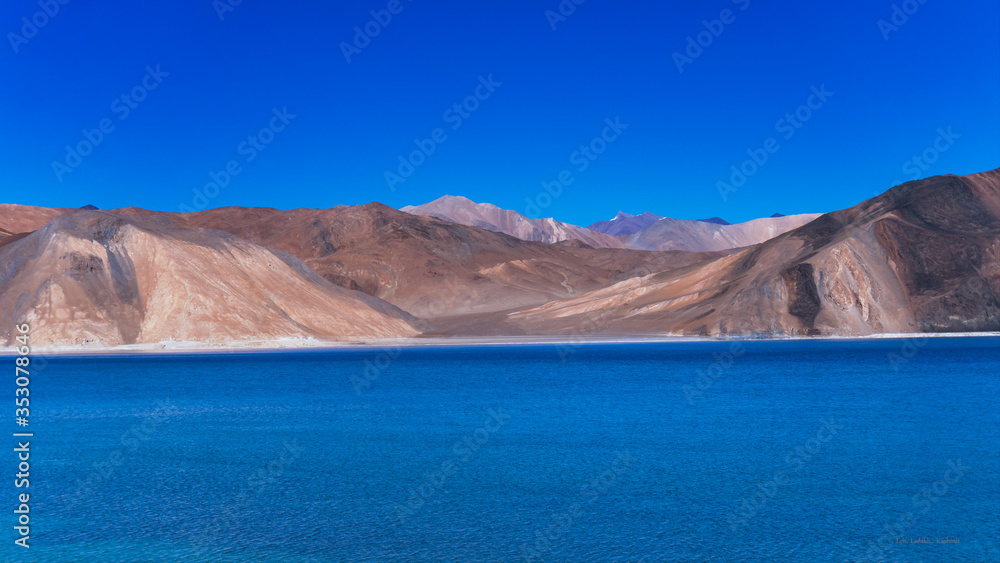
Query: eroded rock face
x=803, y=297
x=101, y=278
x=923, y=257
x=860, y=290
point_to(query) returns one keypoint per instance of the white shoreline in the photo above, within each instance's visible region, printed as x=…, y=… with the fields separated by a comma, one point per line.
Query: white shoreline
x=301, y=345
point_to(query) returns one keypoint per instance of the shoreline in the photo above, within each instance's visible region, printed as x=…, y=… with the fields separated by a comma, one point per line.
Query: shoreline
x=311, y=345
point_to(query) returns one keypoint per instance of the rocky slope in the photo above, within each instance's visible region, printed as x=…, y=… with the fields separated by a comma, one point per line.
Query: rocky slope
x=430, y=267
x=95, y=277
x=923, y=257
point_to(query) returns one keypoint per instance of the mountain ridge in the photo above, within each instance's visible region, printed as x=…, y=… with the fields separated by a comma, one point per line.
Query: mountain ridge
x=646, y=231
x=464, y=211
x=100, y=277
x=922, y=257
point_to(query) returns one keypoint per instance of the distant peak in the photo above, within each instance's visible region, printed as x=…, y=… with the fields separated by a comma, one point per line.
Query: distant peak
x=453, y=198
x=716, y=221
x=443, y=201
x=643, y=215
x=457, y=200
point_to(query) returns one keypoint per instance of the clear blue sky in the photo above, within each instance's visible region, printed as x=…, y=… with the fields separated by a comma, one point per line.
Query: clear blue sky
x=939, y=69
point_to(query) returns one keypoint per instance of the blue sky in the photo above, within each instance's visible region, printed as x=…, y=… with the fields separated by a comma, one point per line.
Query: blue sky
x=271, y=81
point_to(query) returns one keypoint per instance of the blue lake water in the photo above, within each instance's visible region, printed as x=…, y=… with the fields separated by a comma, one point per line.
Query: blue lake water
x=764, y=451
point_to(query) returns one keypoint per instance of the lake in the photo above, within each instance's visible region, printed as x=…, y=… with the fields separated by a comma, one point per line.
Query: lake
x=804, y=450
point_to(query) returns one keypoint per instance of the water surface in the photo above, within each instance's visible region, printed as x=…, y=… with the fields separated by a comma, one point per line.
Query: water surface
x=766, y=451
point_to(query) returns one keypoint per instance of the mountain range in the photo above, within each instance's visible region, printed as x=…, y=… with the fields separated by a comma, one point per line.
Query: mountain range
x=642, y=232
x=922, y=257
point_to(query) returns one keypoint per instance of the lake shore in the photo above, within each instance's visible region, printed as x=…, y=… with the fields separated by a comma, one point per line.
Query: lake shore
x=299, y=345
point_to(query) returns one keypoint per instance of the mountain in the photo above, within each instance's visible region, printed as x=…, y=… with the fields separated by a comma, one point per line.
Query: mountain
x=430, y=267
x=492, y=218
x=22, y=219
x=718, y=221
x=701, y=236
x=625, y=224
x=922, y=257
x=638, y=232
x=96, y=277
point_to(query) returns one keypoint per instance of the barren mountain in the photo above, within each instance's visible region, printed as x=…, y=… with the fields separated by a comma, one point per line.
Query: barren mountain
x=721, y=221
x=492, y=218
x=638, y=232
x=430, y=267
x=22, y=219
x=103, y=278
x=624, y=224
x=923, y=257
x=697, y=236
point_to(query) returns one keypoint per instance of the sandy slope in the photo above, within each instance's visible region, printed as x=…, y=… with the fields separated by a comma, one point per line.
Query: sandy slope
x=94, y=276
x=430, y=267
